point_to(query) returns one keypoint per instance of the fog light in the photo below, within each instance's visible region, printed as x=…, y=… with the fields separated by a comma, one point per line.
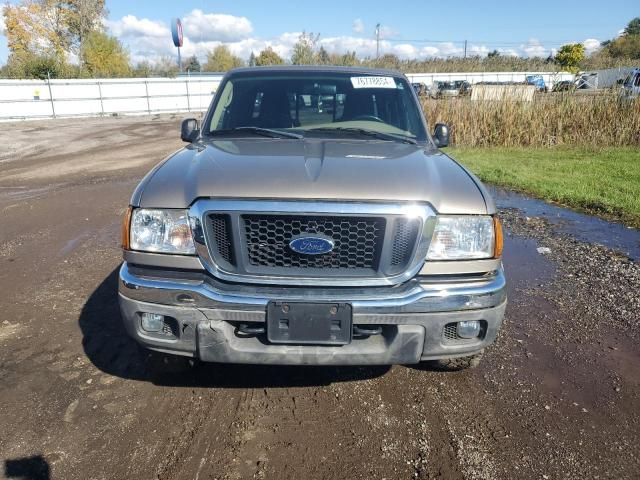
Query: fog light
x=469, y=329
x=152, y=322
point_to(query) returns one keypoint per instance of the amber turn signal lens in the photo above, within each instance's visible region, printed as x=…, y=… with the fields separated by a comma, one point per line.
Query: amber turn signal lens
x=497, y=252
x=126, y=225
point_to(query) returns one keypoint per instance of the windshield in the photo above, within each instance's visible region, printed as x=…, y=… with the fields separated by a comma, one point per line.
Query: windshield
x=313, y=103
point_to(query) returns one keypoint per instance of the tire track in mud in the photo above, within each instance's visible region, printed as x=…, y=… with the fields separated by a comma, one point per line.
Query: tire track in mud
x=356, y=429
x=200, y=443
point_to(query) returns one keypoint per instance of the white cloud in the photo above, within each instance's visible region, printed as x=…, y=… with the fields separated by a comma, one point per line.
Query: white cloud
x=450, y=49
x=591, y=45
x=477, y=50
x=534, y=49
x=358, y=26
x=509, y=52
x=387, y=32
x=216, y=26
x=2, y=26
x=132, y=26
x=149, y=39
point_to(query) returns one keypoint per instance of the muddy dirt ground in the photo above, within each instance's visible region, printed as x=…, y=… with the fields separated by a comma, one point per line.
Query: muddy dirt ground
x=558, y=395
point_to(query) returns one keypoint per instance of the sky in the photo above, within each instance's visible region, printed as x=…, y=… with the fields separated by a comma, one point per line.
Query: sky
x=409, y=29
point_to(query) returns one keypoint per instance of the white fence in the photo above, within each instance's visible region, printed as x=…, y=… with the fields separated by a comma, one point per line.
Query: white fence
x=550, y=78
x=33, y=99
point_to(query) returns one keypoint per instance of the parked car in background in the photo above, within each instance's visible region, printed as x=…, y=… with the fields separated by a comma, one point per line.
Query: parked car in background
x=421, y=89
x=538, y=82
x=631, y=84
x=464, y=87
x=282, y=234
x=564, y=86
x=446, y=89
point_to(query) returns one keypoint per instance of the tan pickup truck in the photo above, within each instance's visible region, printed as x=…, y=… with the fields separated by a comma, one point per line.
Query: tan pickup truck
x=286, y=233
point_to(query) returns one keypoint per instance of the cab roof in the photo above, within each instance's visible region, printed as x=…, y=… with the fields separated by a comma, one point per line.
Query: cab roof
x=313, y=68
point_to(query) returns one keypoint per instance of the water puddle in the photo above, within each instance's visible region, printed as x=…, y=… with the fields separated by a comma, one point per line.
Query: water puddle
x=585, y=228
x=524, y=266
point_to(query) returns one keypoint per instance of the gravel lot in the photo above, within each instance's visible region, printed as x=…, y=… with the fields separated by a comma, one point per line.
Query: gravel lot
x=558, y=396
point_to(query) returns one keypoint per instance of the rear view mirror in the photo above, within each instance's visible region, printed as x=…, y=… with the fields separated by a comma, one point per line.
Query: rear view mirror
x=189, y=131
x=441, y=135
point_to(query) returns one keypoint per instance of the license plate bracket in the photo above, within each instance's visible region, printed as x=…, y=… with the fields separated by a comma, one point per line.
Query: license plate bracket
x=301, y=323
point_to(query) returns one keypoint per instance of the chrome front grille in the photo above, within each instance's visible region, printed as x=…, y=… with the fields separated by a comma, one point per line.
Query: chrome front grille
x=373, y=244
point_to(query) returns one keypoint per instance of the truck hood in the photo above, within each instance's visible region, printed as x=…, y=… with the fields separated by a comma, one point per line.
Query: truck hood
x=311, y=169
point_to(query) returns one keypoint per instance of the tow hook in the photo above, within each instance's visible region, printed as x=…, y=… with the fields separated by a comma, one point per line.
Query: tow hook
x=366, y=331
x=250, y=330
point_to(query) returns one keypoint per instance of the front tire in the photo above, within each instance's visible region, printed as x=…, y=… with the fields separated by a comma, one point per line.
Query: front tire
x=455, y=364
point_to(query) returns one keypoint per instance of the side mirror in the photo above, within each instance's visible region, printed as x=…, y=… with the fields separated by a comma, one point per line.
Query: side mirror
x=189, y=130
x=441, y=135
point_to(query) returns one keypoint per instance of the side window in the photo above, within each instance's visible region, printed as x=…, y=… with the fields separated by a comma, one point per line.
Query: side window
x=221, y=114
x=637, y=82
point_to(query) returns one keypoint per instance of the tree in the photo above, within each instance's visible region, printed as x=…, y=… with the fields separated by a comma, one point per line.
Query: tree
x=51, y=26
x=569, y=56
x=493, y=54
x=192, y=64
x=104, y=56
x=166, y=67
x=38, y=27
x=220, y=59
x=82, y=18
x=633, y=27
x=252, y=59
x=626, y=46
x=304, y=51
x=43, y=32
x=323, y=57
x=268, y=56
x=31, y=65
x=143, y=69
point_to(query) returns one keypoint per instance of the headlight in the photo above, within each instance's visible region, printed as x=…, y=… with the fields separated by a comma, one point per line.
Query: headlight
x=463, y=237
x=163, y=231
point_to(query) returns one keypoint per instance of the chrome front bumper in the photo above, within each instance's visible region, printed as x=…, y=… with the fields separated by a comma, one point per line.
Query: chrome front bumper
x=413, y=314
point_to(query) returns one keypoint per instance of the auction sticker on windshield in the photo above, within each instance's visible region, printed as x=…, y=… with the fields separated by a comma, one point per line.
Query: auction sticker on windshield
x=373, y=82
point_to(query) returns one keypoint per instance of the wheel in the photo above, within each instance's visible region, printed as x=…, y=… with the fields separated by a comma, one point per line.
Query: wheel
x=455, y=364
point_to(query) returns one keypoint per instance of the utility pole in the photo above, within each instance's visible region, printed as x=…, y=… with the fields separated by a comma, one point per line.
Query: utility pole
x=377, y=41
x=465, y=49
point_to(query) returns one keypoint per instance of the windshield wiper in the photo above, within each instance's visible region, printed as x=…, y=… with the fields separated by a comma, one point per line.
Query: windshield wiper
x=265, y=132
x=370, y=133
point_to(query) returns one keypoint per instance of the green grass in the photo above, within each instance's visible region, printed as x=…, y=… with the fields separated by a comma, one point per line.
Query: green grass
x=604, y=181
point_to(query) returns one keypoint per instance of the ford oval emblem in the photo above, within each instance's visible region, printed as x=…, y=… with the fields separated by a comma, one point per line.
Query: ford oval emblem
x=311, y=245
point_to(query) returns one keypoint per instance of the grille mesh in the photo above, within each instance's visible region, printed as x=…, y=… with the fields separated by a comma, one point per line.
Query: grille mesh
x=357, y=241
x=221, y=227
x=404, y=239
x=450, y=331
